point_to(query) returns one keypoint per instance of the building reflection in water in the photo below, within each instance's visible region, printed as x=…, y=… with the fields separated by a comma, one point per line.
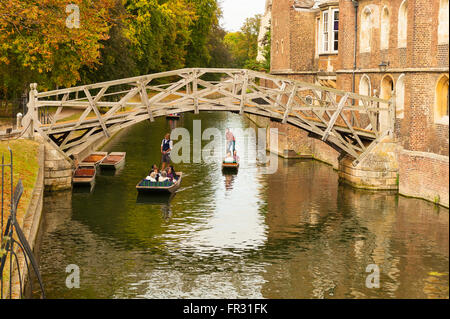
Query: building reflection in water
x=330, y=233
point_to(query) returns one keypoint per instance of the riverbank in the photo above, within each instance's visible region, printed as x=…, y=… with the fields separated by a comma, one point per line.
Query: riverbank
x=28, y=166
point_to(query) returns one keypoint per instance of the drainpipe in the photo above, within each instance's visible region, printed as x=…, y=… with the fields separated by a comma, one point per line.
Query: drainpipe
x=355, y=5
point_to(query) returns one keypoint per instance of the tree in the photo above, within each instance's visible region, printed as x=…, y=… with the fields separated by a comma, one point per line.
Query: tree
x=208, y=13
x=243, y=44
x=159, y=33
x=117, y=58
x=37, y=44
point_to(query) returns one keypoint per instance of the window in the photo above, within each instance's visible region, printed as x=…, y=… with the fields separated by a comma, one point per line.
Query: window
x=441, y=110
x=403, y=24
x=335, y=29
x=387, y=86
x=329, y=31
x=385, y=26
x=400, y=97
x=364, y=87
x=443, y=22
x=325, y=31
x=317, y=34
x=366, y=30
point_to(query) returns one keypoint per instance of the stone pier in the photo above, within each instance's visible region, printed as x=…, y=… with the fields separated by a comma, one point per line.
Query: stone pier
x=57, y=170
x=377, y=171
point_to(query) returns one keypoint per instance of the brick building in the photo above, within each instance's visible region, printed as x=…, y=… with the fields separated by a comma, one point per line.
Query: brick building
x=378, y=47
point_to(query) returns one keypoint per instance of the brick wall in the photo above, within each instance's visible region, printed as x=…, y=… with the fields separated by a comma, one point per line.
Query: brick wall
x=424, y=175
x=280, y=50
x=302, y=40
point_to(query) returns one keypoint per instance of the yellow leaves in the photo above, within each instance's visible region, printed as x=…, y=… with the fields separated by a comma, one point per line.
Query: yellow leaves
x=437, y=274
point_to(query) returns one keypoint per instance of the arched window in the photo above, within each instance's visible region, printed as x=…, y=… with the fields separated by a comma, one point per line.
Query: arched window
x=387, y=86
x=400, y=97
x=385, y=27
x=366, y=30
x=443, y=22
x=403, y=24
x=364, y=87
x=441, y=109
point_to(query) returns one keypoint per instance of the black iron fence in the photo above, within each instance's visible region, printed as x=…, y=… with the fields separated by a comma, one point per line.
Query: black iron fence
x=12, y=240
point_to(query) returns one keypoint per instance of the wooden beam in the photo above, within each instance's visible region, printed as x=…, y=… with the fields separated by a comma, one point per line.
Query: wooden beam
x=334, y=117
x=289, y=104
x=93, y=102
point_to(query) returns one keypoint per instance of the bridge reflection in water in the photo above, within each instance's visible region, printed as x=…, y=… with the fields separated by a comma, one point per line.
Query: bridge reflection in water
x=293, y=234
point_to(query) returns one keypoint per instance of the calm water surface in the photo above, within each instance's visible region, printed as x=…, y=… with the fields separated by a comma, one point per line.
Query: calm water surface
x=293, y=234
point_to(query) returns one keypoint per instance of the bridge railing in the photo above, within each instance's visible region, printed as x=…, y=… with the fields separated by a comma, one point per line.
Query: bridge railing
x=78, y=115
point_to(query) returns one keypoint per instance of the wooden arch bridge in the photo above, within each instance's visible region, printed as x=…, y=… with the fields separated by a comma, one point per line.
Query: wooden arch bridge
x=351, y=123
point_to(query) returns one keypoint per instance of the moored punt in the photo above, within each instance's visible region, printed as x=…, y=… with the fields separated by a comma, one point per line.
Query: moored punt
x=94, y=158
x=146, y=186
x=113, y=160
x=84, y=175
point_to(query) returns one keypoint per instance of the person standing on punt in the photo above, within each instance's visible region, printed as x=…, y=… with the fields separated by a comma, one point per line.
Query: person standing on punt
x=166, y=147
x=231, y=140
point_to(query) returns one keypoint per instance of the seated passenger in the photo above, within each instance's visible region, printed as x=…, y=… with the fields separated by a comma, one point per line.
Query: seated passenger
x=175, y=176
x=228, y=158
x=170, y=173
x=163, y=177
x=154, y=169
x=235, y=157
x=152, y=177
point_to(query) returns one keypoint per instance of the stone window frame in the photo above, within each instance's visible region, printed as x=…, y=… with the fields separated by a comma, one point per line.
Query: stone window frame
x=443, y=25
x=366, y=17
x=369, y=89
x=383, y=117
x=365, y=76
x=317, y=37
x=384, y=45
x=441, y=88
x=400, y=97
x=402, y=28
x=329, y=12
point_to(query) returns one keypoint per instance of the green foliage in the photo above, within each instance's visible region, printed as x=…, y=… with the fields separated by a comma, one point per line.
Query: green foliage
x=116, y=39
x=208, y=13
x=243, y=46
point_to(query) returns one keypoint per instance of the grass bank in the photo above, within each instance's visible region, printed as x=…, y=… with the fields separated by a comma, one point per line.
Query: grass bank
x=25, y=167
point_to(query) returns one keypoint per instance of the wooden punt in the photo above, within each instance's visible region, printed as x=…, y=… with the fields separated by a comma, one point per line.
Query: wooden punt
x=145, y=186
x=84, y=175
x=173, y=116
x=114, y=160
x=94, y=158
x=230, y=166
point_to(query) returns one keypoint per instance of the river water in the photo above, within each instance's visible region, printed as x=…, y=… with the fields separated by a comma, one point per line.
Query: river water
x=293, y=234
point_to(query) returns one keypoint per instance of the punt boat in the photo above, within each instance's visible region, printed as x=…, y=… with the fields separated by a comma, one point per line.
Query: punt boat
x=84, y=175
x=173, y=116
x=114, y=160
x=230, y=165
x=145, y=186
x=94, y=158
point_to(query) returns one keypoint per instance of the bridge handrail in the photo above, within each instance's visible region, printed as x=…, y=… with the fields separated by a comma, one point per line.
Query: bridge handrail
x=255, y=74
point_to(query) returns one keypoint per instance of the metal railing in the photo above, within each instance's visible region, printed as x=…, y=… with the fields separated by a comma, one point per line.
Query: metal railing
x=13, y=241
